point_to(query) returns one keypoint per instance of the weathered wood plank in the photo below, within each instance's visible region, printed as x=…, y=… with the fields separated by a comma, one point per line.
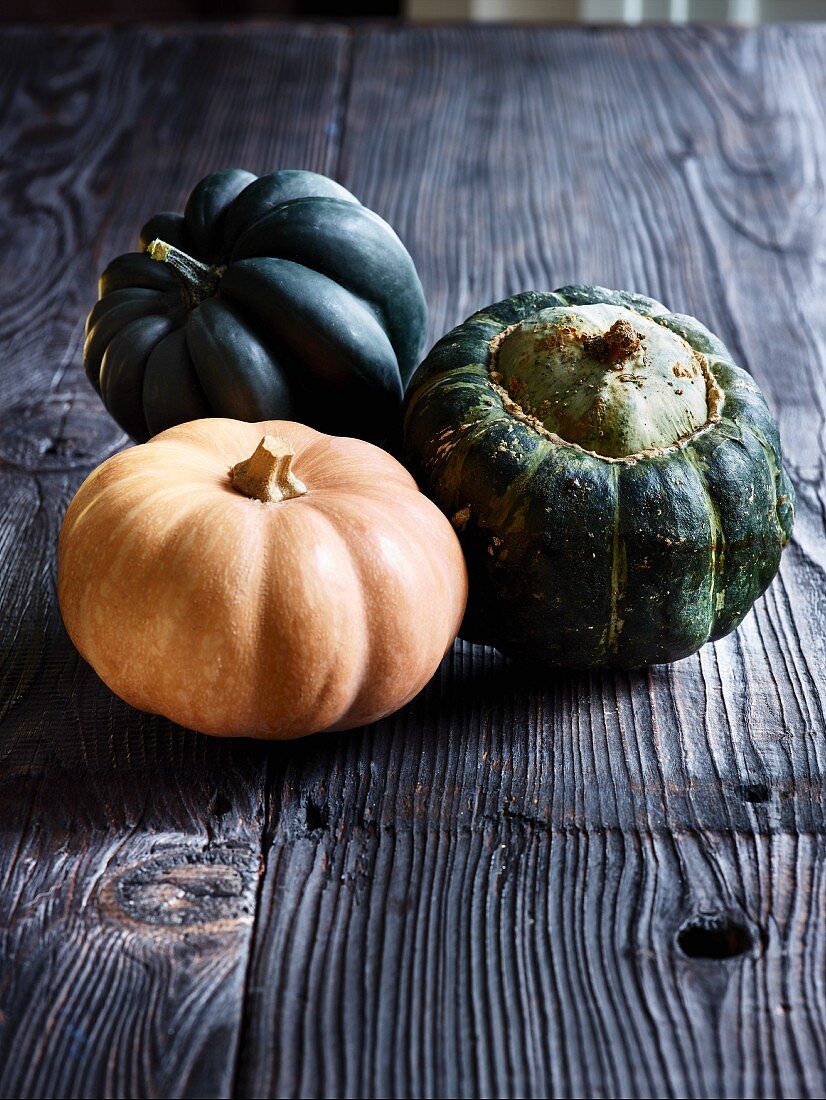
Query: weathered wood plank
x=483, y=895
x=129, y=849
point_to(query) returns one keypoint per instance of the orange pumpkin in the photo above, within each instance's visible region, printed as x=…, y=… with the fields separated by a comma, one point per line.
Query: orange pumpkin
x=265, y=587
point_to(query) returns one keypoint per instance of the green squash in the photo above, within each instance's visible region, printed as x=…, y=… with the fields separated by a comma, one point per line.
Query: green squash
x=279, y=297
x=615, y=479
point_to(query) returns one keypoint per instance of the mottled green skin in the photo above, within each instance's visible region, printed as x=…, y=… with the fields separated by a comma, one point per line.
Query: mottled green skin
x=318, y=315
x=577, y=560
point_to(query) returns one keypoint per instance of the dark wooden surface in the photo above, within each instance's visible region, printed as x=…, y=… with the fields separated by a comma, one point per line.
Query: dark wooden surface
x=483, y=895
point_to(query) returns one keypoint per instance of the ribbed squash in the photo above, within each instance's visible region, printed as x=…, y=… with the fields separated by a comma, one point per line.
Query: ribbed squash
x=279, y=297
x=615, y=479
x=259, y=580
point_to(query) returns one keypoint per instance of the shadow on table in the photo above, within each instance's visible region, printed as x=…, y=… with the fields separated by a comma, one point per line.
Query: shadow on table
x=58, y=720
x=55, y=711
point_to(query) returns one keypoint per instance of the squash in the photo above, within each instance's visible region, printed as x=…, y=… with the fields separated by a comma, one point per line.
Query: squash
x=279, y=297
x=615, y=479
x=259, y=580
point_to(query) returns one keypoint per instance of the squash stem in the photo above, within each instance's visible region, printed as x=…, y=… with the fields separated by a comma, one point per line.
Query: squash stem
x=267, y=474
x=200, y=280
x=615, y=346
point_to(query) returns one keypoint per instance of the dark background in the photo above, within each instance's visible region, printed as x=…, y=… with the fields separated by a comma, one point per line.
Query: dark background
x=127, y=11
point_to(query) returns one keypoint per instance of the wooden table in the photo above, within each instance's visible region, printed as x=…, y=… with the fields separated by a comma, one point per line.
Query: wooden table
x=486, y=894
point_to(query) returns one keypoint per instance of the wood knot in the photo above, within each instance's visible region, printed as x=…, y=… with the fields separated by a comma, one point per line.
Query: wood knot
x=205, y=892
x=619, y=343
x=717, y=936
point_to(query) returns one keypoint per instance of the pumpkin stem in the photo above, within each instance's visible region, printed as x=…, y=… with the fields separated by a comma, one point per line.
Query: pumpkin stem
x=267, y=474
x=200, y=280
x=616, y=345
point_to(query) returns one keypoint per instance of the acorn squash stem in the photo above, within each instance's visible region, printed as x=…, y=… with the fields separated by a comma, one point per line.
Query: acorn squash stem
x=200, y=280
x=267, y=474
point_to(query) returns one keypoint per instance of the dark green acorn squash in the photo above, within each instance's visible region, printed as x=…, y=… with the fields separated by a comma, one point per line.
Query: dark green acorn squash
x=279, y=297
x=615, y=479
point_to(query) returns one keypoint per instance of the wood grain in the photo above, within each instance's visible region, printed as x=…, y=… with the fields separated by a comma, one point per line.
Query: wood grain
x=130, y=850
x=485, y=894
